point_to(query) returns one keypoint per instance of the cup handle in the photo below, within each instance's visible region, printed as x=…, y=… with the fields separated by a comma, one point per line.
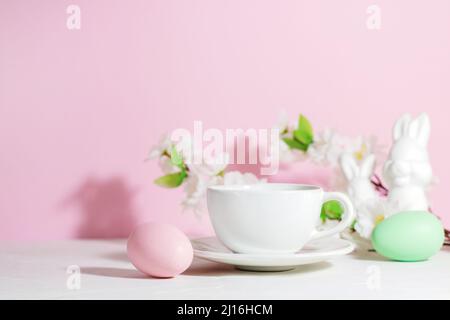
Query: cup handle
x=347, y=217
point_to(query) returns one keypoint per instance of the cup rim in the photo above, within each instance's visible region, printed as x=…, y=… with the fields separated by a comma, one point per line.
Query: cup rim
x=266, y=187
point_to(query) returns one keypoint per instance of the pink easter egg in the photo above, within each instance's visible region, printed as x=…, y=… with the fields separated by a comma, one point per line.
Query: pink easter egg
x=159, y=250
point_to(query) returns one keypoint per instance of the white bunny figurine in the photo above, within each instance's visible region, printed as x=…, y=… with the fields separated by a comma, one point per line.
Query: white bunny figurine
x=408, y=171
x=360, y=189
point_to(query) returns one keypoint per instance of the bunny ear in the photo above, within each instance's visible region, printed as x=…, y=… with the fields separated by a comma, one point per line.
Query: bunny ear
x=413, y=129
x=424, y=128
x=349, y=166
x=419, y=129
x=401, y=126
x=368, y=166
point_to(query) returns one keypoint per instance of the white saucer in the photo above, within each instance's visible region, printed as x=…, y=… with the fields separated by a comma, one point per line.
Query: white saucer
x=315, y=251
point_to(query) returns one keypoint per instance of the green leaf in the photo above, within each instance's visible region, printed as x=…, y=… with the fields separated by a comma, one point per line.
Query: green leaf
x=171, y=180
x=305, y=126
x=303, y=136
x=331, y=210
x=176, y=158
x=295, y=144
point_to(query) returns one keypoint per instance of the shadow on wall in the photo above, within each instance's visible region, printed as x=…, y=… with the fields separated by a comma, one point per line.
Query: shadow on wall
x=106, y=206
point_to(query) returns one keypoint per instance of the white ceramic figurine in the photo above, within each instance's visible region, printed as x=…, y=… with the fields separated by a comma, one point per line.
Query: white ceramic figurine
x=365, y=199
x=360, y=189
x=408, y=171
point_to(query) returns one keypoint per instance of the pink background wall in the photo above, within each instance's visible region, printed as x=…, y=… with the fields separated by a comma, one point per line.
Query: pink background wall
x=80, y=109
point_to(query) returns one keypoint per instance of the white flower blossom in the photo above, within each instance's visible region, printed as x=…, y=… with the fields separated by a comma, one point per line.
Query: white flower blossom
x=239, y=178
x=162, y=147
x=166, y=166
x=161, y=152
x=195, y=190
x=369, y=215
x=210, y=167
x=200, y=177
x=286, y=154
x=328, y=146
x=361, y=147
x=325, y=148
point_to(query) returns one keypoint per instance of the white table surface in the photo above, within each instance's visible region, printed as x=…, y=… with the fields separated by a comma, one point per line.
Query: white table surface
x=39, y=271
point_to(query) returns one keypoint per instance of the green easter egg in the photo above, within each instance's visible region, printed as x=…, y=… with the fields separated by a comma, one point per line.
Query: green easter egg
x=408, y=236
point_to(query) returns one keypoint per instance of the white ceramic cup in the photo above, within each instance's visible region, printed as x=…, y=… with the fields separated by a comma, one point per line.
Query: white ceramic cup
x=271, y=217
